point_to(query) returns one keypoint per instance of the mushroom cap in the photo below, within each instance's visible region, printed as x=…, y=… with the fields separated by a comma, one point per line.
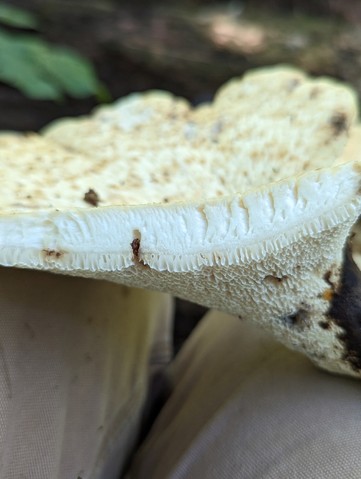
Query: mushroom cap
x=243, y=205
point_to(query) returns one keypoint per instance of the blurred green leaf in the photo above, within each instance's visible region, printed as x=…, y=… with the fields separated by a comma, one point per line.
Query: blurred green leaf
x=16, y=17
x=42, y=71
x=70, y=71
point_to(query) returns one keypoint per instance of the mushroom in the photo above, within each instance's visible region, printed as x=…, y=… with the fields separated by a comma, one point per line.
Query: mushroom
x=244, y=205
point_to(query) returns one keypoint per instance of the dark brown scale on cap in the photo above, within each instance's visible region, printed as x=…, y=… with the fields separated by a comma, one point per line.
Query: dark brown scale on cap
x=91, y=197
x=339, y=123
x=345, y=309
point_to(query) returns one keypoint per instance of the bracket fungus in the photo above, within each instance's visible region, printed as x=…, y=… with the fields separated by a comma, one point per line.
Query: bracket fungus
x=244, y=205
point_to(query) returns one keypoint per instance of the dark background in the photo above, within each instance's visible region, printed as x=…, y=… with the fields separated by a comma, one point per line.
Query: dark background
x=189, y=47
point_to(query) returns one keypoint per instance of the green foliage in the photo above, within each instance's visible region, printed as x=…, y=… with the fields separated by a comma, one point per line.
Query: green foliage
x=15, y=17
x=40, y=70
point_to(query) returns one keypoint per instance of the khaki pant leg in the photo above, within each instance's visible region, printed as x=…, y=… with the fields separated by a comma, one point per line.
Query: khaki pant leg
x=75, y=357
x=244, y=407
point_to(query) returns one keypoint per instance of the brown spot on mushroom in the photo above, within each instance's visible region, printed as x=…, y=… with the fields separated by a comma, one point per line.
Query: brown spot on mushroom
x=91, y=197
x=52, y=253
x=327, y=295
x=298, y=318
x=332, y=277
x=339, y=123
x=275, y=280
x=324, y=324
x=317, y=356
x=135, y=244
x=327, y=277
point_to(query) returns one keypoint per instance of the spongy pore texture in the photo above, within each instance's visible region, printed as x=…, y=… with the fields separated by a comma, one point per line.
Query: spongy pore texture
x=243, y=205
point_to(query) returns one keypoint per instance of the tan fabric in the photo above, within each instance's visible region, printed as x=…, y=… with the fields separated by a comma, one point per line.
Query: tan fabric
x=75, y=356
x=244, y=407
